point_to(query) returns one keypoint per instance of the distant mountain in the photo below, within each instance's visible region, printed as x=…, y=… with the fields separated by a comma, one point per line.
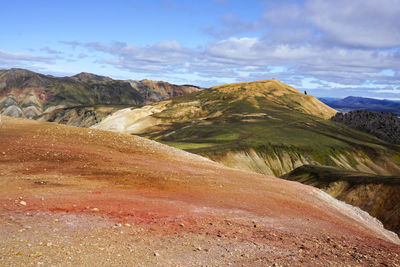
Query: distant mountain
x=24, y=93
x=154, y=91
x=328, y=100
x=90, y=77
x=361, y=103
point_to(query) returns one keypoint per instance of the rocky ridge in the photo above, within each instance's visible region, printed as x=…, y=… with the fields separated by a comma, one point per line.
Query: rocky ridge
x=36, y=96
x=385, y=126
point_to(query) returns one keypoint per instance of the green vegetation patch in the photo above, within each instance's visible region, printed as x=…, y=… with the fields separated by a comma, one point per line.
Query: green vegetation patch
x=186, y=145
x=231, y=126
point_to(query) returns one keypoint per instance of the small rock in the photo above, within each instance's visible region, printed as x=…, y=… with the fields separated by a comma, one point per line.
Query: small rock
x=127, y=225
x=49, y=244
x=156, y=254
x=228, y=222
x=95, y=209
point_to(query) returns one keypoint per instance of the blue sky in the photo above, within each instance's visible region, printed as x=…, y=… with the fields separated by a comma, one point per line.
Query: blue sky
x=327, y=47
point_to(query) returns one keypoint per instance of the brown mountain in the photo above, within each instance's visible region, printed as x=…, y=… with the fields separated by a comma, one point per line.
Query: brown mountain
x=90, y=77
x=154, y=91
x=28, y=94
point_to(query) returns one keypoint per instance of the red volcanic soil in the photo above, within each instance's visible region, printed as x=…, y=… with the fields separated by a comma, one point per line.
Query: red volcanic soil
x=73, y=196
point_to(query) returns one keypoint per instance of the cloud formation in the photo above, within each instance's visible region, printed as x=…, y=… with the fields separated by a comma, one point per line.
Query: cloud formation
x=17, y=59
x=311, y=44
x=359, y=23
x=247, y=58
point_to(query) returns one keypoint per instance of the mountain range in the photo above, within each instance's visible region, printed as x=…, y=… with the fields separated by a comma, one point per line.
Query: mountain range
x=80, y=100
x=362, y=103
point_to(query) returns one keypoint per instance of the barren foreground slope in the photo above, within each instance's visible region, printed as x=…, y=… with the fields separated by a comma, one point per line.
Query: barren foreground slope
x=73, y=196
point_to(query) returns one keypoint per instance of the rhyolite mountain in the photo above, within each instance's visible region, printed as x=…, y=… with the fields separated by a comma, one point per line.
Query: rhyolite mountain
x=98, y=198
x=267, y=127
x=362, y=103
x=80, y=100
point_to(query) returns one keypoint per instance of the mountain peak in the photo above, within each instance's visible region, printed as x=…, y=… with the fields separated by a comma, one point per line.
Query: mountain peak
x=17, y=72
x=17, y=78
x=86, y=77
x=276, y=92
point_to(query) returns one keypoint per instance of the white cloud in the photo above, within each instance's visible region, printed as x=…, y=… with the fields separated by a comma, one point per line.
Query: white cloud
x=50, y=51
x=251, y=58
x=392, y=91
x=364, y=23
x=355, y=23
x=19, y=59
x=350, y=45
